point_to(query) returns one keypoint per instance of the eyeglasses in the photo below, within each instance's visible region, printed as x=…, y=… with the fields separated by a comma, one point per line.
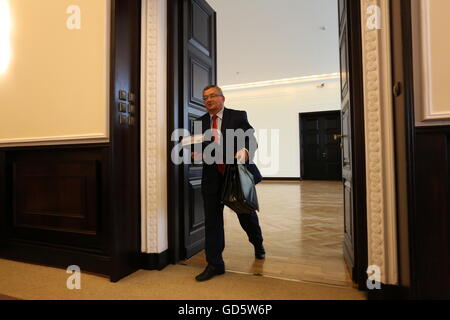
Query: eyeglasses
x=211, y=96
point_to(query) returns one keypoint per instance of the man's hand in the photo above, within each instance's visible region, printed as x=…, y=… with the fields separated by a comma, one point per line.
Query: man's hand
x=242, y=156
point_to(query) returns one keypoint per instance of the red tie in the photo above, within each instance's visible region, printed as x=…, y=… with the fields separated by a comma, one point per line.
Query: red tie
x=215, y=138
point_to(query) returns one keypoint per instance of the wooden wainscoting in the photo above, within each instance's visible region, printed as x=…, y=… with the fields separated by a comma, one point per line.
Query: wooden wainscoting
x=55, y=192
x=54, y=207
x=55, y=195
x=430, y=261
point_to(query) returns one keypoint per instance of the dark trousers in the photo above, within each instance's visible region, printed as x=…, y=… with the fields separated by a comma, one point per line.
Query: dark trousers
x=215, y=236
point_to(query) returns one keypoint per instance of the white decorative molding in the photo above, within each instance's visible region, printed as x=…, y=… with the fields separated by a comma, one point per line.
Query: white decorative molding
x=56, y=140
x=153, y=128
x=380, y=168
x=427, y=101
x=279, y=82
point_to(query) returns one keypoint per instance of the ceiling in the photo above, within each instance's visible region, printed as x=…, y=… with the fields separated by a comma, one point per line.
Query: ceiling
x=259, y=40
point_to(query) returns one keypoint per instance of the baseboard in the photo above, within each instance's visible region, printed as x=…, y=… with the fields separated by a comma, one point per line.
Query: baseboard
x=388, y=292
x=60, y=257
x=154, y=261
x=281, y=179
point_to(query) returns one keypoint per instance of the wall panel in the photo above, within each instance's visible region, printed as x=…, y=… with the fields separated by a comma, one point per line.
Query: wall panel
x=56, y=87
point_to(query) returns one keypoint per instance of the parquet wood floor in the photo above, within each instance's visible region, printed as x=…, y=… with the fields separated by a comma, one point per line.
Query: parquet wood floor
x=302, y=224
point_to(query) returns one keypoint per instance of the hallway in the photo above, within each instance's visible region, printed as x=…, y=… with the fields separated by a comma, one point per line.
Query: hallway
x=302, y=224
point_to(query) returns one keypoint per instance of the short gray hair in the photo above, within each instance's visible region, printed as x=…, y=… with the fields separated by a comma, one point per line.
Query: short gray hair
x=213, y=86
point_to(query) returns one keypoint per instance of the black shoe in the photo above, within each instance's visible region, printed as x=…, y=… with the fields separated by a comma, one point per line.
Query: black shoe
x=260, y=253
x=210, y=272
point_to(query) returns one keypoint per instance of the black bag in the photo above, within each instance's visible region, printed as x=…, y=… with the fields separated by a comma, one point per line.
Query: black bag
x=238, y=191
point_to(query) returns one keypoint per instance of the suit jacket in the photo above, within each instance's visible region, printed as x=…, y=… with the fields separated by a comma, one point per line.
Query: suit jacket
x=232, y=119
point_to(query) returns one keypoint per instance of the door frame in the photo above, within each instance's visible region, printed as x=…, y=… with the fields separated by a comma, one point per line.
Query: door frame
x=174, y=121
x=405, y=147
x=301, y=116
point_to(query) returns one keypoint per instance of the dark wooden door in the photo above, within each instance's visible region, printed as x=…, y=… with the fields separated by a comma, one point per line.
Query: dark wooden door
x=352, y=140
x=320, y=147
x=349, y=247
x=199, y=70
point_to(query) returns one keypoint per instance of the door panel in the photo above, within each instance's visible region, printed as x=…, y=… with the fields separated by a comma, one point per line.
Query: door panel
x=347, y=175
x=321, y=153
x=344, y=60
x=348, y=223
x=346, y=142
x=199, y=70
x=332, y=149
x=54, y=197
x=200, y=75
x=201, y=27
x=353, y=141
x=349, y=246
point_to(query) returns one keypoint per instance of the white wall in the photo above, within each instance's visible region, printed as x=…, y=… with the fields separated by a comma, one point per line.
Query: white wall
x=261, y=40
x=56, y=87
x=278, y=108
x=266, y=40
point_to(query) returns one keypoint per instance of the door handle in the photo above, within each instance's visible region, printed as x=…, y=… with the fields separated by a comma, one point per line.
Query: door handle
x=397, y=89
x=339, y=136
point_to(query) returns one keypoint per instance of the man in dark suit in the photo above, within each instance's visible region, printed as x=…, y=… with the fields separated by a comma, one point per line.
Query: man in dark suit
x=219, y=119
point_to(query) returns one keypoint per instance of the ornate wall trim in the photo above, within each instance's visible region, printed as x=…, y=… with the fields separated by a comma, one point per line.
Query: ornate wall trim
x=380, y=165
x=153, y=127
x=60, y=140
x=283, y=82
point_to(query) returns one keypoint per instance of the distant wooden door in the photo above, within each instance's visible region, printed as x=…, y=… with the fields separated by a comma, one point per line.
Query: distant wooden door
x=320, y=147
x=199, y=70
